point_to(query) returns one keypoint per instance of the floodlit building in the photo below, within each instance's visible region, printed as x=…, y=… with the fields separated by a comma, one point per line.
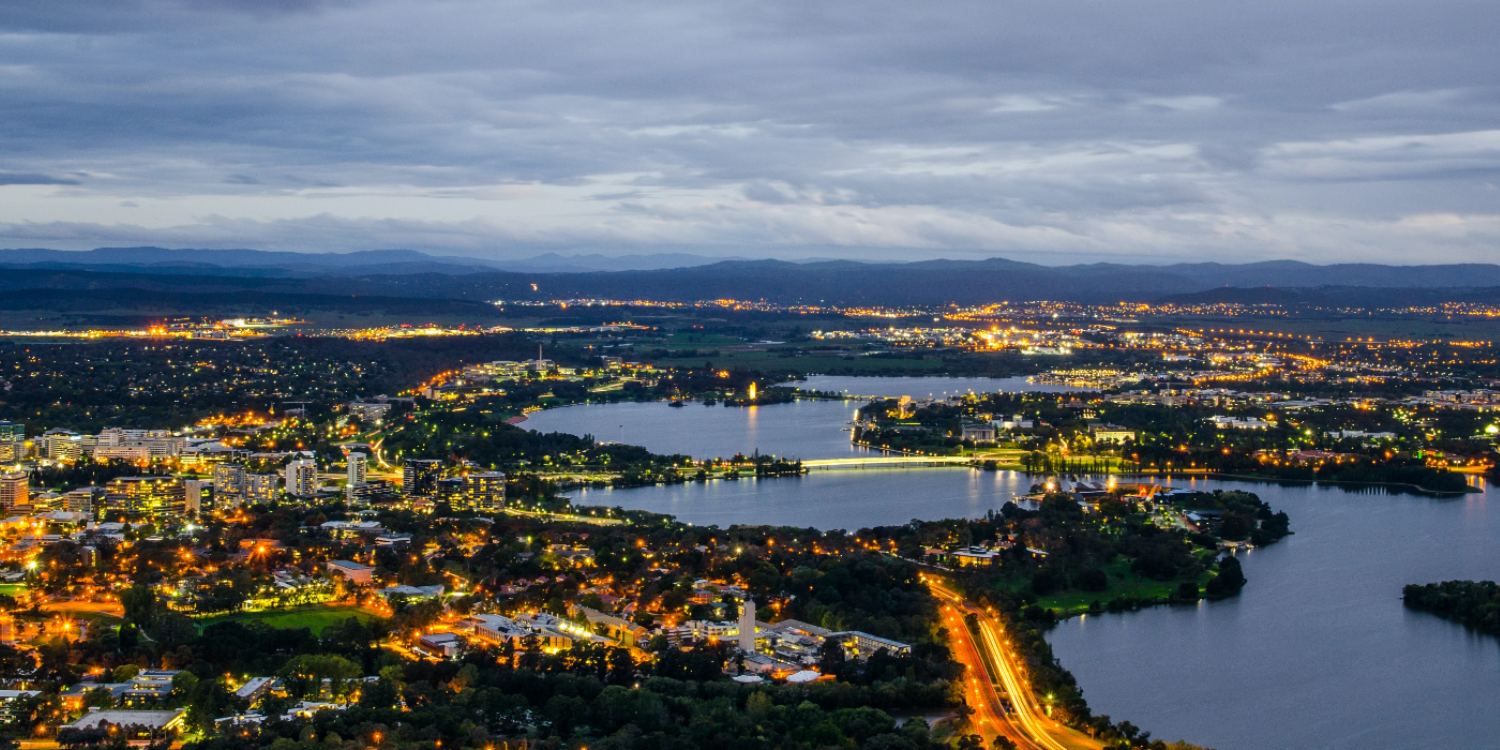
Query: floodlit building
x=15, y=489
x=746, y=635
x=194, y=492
x=355, y=572
x=1112, y=433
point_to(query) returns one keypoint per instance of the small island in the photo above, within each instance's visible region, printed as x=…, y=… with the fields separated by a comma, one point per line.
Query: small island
x=1473, y=603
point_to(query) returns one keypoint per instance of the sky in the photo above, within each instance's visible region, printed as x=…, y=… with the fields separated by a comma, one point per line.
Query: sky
x=1054, y=131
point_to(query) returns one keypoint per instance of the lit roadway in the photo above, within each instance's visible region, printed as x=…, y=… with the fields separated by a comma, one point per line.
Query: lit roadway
x=1027, y=724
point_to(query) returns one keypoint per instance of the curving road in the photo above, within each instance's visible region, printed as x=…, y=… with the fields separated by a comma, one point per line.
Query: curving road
x=1027, y=724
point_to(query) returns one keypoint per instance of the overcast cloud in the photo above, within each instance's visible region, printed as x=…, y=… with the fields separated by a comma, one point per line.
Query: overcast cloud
x=1052, y=130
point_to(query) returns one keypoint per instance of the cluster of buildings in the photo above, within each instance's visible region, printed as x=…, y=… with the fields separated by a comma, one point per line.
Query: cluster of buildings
x=1475, y=400
x=227, y=486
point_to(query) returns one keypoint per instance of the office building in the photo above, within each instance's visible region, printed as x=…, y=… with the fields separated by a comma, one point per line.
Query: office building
x=419, y=477
x=61, y=445
x=81, y=500
x=375, y=490
x=15, y=489
x=151, y=497
x=483, y=492
x=302, y=477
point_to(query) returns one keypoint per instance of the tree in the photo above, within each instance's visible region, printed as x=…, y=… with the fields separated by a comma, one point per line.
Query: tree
x=308, y=671
x=140, y=606
x=758, y=705
x=1229, y=581
x=1187, y=591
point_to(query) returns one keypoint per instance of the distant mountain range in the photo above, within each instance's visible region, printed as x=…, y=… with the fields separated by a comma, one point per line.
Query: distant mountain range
x=683, y=277
x=263, y=263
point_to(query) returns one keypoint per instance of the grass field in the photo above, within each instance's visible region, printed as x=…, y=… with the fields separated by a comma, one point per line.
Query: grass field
x=313, y=617
x=12, y=589
x=1122, y=582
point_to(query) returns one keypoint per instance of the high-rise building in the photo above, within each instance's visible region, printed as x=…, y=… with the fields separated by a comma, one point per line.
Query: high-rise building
x=747, y=626
x=302, y=477
x=15, y=490
x=419, y=476
x=152, y=497
x=261, y=489
x=12, y=432
x=483, y=492
x=359, y=464
x=194, y=493
x=229, y=485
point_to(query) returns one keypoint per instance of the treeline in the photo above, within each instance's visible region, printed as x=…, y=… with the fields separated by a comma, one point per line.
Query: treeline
x=1473, y=603
x=1398, y=471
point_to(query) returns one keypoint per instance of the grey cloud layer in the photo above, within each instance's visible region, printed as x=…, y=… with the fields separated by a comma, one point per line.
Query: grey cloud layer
x=1323, y=131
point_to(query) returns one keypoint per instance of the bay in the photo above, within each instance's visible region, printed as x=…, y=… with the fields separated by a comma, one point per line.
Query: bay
x=1317, y=652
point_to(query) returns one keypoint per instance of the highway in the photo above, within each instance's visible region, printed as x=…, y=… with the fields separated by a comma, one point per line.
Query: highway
x=1027, y=723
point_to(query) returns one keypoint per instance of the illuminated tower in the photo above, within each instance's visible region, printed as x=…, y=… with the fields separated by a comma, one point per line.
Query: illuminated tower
x=747, y=626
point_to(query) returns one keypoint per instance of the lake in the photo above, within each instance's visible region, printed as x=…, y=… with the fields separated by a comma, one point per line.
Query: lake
x=924, y=387
x=1318, y=651
x=802, y=429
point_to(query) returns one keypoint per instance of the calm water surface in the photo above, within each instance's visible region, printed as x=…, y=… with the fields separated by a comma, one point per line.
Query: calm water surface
x=1316, y=653
x=925, y=387
x=804, y=429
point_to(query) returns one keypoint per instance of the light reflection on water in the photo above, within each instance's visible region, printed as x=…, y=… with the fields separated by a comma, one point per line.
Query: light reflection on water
x=1318, y=651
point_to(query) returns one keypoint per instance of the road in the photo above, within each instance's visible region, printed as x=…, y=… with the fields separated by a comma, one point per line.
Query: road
x=1028, y=724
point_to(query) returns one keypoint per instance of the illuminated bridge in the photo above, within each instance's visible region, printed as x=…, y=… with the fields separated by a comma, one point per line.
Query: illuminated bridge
x=885, y=462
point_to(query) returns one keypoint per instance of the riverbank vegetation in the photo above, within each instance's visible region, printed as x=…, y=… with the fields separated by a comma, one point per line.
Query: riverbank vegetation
x=1116, y=553
x=1473, y=603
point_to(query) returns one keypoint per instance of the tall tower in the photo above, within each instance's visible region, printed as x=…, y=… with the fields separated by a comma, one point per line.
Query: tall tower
x=747, y=626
